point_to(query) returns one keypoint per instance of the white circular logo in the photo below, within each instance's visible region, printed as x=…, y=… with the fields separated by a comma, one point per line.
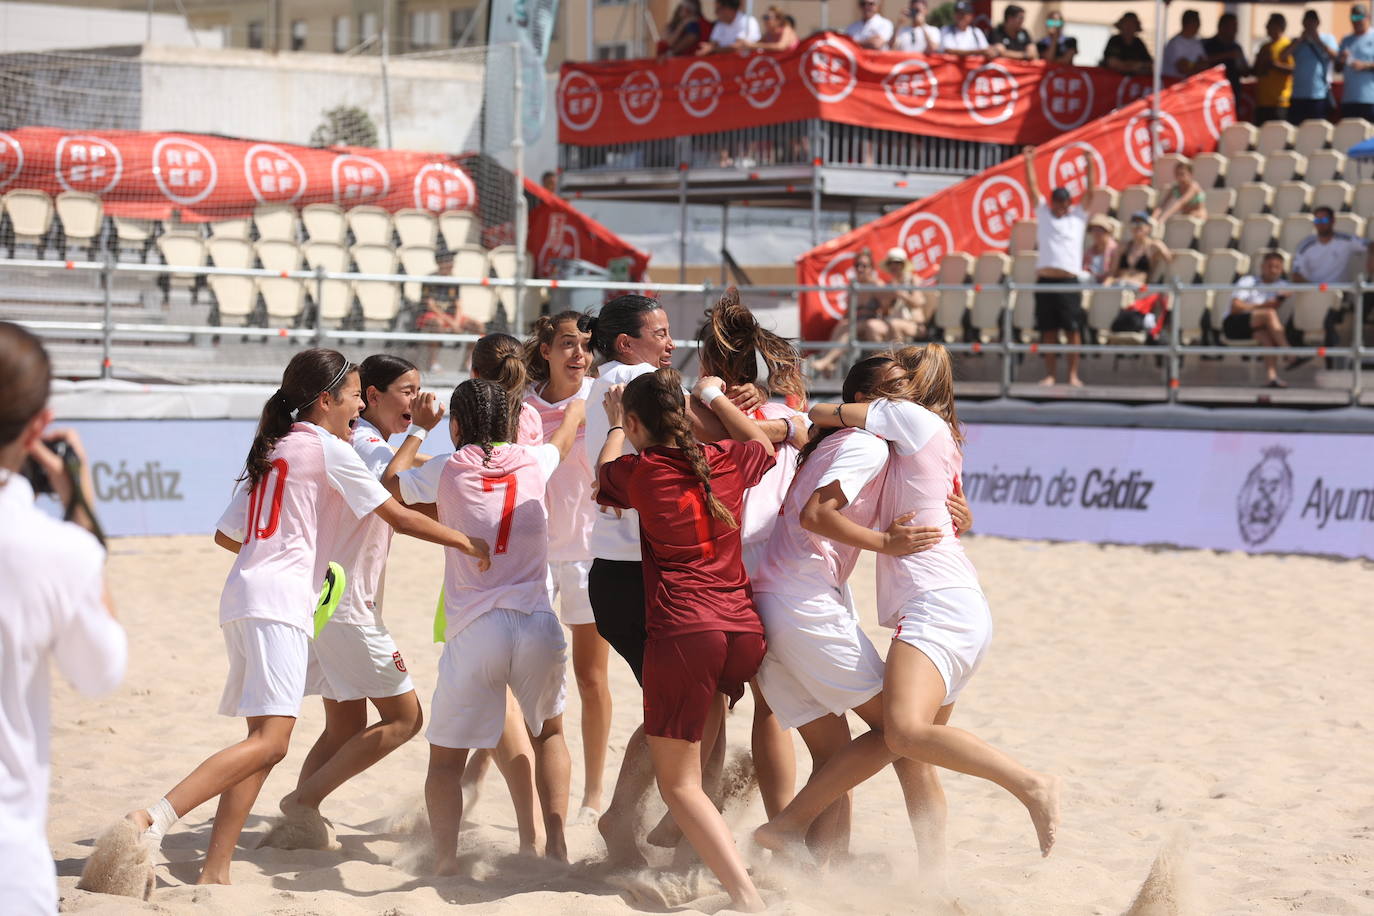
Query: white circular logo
x=838, y=273
x=1130, y=89
x=90, y=164
x=1140, y=150
x=274, y=175
x=926, y=239
x=911, y=87
x=990, y=94
x=357, y=178
x=830, y=70
x=997, y=204
x=11, y=159
x=1069, y=170
x=700, y=89
x=579, y=100
x=185, y=171
x=1219, y=108
x=639, y=96
x=440, y=186
x=1066, y=97
x=762, y=82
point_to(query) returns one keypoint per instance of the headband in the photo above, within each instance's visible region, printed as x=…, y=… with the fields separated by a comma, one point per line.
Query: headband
x=330, y=387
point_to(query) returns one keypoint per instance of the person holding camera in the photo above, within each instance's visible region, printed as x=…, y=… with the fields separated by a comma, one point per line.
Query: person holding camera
x=53, y=606
x=1313, y=56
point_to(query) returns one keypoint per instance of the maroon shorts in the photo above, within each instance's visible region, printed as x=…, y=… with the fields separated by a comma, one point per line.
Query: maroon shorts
x=682, y=675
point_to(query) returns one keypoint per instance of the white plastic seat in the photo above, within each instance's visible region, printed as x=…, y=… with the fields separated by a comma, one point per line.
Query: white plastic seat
x=1237, y=137
x=1218, y=233
x=469, y=261
x=374, y=259
x=952, y=304
x=1023, y=236
x=417, y=261
x=1185, y=269
x=1281, y=166
x=283, y=298
x=1293, y=230
x=1223, y=267
x=324, y=222
x=1324, y=165
x=1274, y=137
x=416, y=228
x=182, y=251
x=1220, y=200
x=1023, y=301
x=275, y=221
x=329, y=256
x=1349, y=132
x=1209, y=169
x=230, y=253
x=1180, y=231
x=235, y=297
x=1103, y=307
x=30, y=214
x=82, y=216
x=1252, y=198
x=380, y=299
x=459, y=228
x=478, y=303
x=1102, y=200
x=1291, y=197
x=133, y=231
x=1257, y=232
x=1134, y=198
x=503, y=261
x=1364, y=197
x=1351, y=224
x=279, y=255
x=236, y=228
x=1309, y=313
x=1163, y=177
x=1243, y=168
x=1334, y=194
x=1312, y=135
x=333, y=299
x=985, y=313
x=370, y=225
x=177, y=226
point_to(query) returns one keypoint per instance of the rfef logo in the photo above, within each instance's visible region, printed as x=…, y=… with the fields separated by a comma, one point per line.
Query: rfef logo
x=1140, y=146
x=762, y=82
x=185, y=171
x=579, y=101
x=1069, y=167
x=911, y=87
x=274, y=175
x=1219, y=108
x=838, y=273
x=1265, y=496
x=89, y=164
x=1131, y=88
x=701, y=89
x=990, y=94
x=640, y=97
x=1066, y=98
x=440, y=186
x=11, y=159
x=829, y=70
x=926, y=239
x=997, y=204
x=358, y=178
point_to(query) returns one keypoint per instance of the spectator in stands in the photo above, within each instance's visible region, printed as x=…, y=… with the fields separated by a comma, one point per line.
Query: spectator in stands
x=1255, y=312
x=872, y=29
x=1141, y=255
x=1357, y=62
x=904, y=310
x=1184, y=54
x=733, y=30
x=1222, y=48
x=1313, y=56
x=1125, y=52
x=1328, y=256
x=962, y=38
x=1185, y=197
x=1273, y=72
x=686, y=33
x=869, y=313
x=920, y=37
x=1015, y=41
x=443, y=312
x=549, y=182
x=779, y=32
x=1056, y=47
x=1099, y=258
x=1059, y=232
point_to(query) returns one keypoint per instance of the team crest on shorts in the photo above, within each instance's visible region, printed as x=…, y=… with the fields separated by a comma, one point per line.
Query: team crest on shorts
x=400, y=662
x=1265, y=496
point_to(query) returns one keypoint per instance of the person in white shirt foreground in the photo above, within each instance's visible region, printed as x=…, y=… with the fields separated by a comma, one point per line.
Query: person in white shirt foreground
x=53, y=608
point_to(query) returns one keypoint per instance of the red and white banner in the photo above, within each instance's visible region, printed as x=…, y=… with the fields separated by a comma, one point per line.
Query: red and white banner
x=558, y=232
x=976, y=215
x=831, y=78
x=145, y=175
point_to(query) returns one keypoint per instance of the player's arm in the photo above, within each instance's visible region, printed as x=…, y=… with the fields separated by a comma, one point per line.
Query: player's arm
x=228, y=543
x=842, y=415
x=821, y=515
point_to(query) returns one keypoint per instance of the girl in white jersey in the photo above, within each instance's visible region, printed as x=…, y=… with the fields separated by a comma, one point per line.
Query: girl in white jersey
x=500, y=632
x=933, y=601
x=557, y=358
x=354, y=660
x=301, y=478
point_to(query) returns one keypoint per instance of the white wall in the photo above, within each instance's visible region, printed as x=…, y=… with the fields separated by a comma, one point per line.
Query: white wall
x=42, y=27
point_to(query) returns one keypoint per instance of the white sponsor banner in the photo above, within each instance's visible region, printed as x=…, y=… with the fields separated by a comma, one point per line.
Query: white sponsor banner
x=1251, y=491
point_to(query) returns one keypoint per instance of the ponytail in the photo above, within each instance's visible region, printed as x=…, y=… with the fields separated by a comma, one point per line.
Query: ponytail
x=656, y=399
x=864, y=377
x=310, y=374
x=732, y=342
x=499, y=358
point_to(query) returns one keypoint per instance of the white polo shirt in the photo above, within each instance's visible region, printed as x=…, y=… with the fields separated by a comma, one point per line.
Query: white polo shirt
x=1327, y=262
x=727, y=34
x=1178, y=49
x=969, y=39
x=879, y=27
x=923, y=40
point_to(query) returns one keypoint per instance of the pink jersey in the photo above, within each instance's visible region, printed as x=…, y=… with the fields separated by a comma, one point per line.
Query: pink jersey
x=762, y=502
x=923, y=469
x=504, y=505
x=801, y=564
x=361, y=547
x=317, y=483
x=531, y=429
x=569, y=496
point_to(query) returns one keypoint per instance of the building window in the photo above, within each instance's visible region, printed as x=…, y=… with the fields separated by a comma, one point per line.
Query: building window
x=612, y=52
x=367, y=26
x=343, y=34
x=424, y=29
x=255, y=29
x=298, y=35
x=459, y=21
x=611, y=2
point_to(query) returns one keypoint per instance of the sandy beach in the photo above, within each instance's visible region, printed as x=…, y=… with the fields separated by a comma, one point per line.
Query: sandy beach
x=1216, y=707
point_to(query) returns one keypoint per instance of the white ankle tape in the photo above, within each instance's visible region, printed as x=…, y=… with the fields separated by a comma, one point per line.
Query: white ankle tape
x=164, y=816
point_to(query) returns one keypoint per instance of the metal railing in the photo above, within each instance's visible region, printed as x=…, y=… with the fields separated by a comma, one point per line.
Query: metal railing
x=1170, y=347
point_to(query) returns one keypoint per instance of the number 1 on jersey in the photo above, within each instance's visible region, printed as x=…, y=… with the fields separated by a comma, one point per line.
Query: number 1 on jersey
x=507, y=508
x=693, y=501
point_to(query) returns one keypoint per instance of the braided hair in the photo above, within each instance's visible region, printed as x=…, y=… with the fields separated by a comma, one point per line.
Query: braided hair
x=484, y=414
x=864, y=377
x=310, y=374
x=657, y=401
x=729, y=338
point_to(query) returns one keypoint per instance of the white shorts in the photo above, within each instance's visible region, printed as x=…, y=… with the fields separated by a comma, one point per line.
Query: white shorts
x=267, y=662
x=752, y=553
x=819, y=661
x=28, y=882
x=568, y=580
x=349, y=661
x=953, y=627
x=526, y=652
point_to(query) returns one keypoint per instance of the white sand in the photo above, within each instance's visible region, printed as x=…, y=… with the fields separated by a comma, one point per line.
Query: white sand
x=1216, y=704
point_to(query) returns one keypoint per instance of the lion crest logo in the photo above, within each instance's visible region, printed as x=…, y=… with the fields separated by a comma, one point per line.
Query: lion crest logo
x=1265, y=496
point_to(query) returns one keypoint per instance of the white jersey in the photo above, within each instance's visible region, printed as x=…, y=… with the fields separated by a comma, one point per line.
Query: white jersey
x=51, y=607
x=317, y=480
x=613, y=537
x=923, y=469
x=763, y=501
x=361, y=546
x=569, y=495
x=500, y=500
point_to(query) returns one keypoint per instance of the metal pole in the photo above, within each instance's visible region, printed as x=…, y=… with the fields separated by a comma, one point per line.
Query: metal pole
x=386, y=80
x=825, y=15
x=1357, y=344
x=107, y=331
x=319, y=306
x=149, y=38
x=1175, y=363
x=816, y=137
x=1007, y=333
x=724, y=242
x=682, y=210
x=591, y=30
x=522, y=228
x=1157, y=85
x=851, y=317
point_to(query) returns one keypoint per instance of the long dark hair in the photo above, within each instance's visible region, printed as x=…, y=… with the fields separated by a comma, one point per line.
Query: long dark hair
x=864, y=377
x=730, y=337
x=25, y=379
x=484, y=412
x=545, y=330
x=656, y=399
x=622, y=315
x=310, y=374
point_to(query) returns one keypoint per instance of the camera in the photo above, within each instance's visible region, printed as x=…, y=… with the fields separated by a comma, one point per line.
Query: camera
x=37, y=477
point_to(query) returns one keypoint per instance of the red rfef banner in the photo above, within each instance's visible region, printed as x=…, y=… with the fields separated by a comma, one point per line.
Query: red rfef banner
x=557, y=231
x=145, y=175
x=976, y=215
x=831, y=78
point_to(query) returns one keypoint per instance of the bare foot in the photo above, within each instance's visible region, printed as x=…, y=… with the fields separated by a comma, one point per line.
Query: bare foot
x=621, y=848
x=1043, y=803
x=1075, y=382
x=213, y=877
x=444, y=868
x=784, y=843
x=665, y=834
x=587, y=814
x=301, y=827
x=556, y=847
x=1047, y=381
